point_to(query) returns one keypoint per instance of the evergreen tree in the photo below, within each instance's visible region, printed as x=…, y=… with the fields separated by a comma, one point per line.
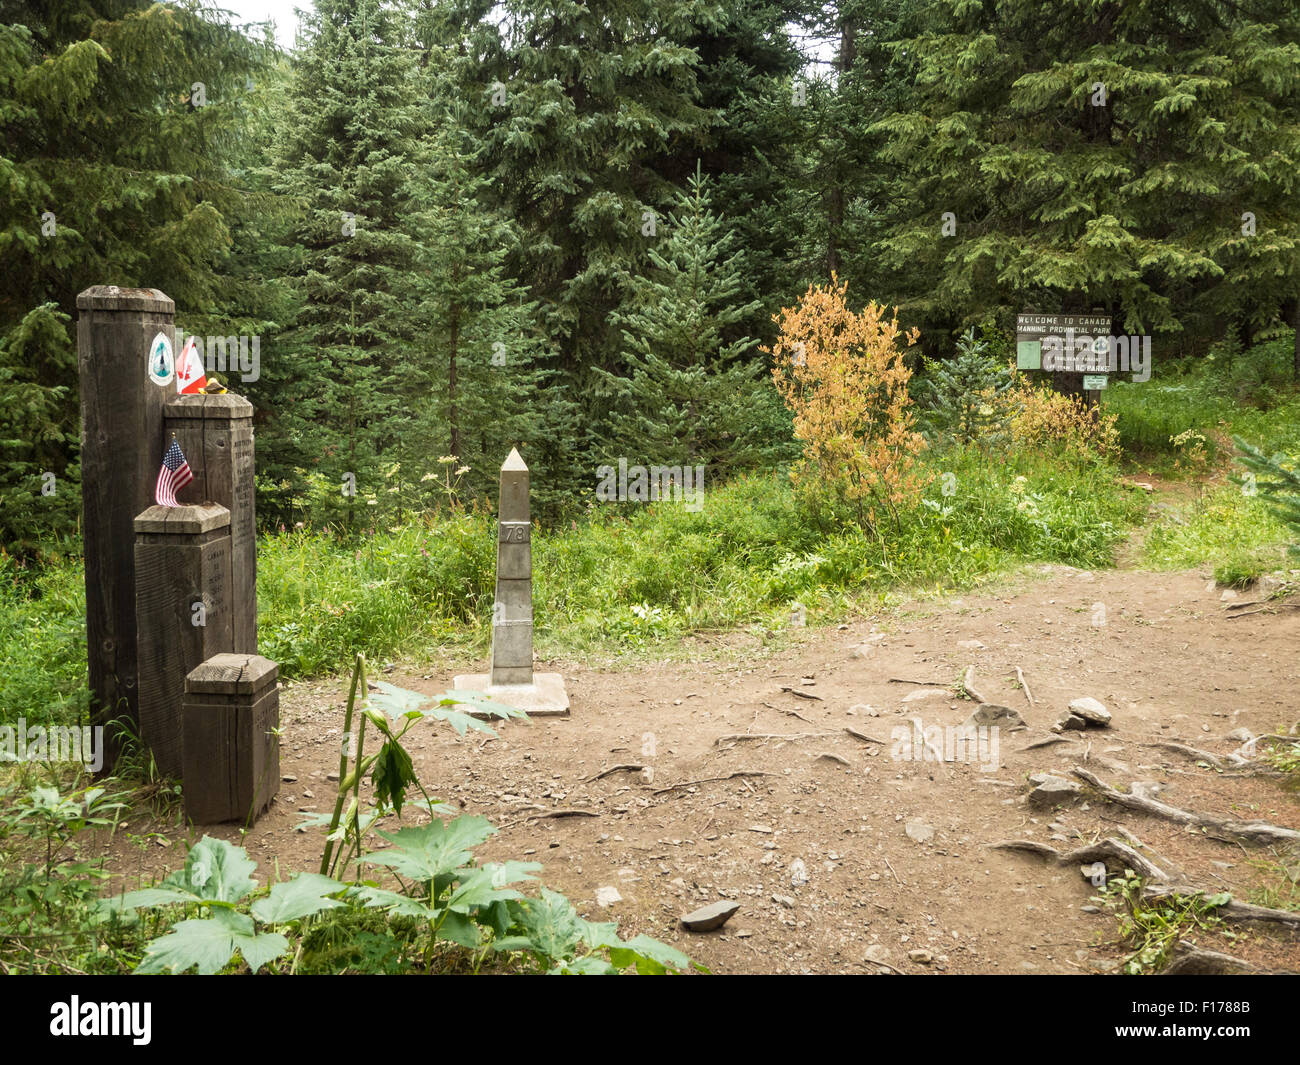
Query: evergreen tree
x=1276, y=481
x=688, y=396
x=959, y=395
x=483, y=358
x=352, y=140
x=1097, y=156
x=118, y=118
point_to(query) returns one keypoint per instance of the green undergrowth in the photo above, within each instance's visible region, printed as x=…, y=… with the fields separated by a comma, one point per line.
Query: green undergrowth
x=628, y=577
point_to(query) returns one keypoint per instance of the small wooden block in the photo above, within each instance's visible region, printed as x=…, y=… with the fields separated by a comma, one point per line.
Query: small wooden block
x=232, y=753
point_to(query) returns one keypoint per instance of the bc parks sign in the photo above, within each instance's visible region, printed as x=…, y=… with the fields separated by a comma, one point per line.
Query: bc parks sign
x=1079, y=343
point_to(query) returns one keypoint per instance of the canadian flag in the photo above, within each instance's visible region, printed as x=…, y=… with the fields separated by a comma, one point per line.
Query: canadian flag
x=189, y=369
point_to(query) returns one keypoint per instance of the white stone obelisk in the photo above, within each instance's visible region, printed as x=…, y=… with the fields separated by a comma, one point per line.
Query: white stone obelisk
x=512, y=680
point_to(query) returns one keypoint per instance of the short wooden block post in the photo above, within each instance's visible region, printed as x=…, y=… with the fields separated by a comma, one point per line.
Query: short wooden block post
x=232, y=753
x=216, y=435
x=182, y=606
x=121, y=424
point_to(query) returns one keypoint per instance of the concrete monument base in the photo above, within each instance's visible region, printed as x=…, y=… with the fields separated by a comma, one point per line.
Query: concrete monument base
x=544, y=697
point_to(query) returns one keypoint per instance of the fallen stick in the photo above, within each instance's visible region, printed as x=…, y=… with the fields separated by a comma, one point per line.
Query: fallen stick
x=792, y=713
x=629, y=767
x=922, y=683
x=968, y=683
x=710, y=780
x=801, y=693
x=863, y=736
x=553, y=813
x=1025, y=685
x=736, y=737
x=1245, y=831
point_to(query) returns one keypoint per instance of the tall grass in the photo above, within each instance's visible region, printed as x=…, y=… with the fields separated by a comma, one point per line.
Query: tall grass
x=1250, y=393
x=625, y=577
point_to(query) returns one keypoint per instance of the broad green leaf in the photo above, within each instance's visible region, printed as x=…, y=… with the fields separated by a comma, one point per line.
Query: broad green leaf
x=435, y=849
x=591, y=965
x=379, y=899
x=215, y=872
x=395, y=701
x=210, y=943
x=660, y=952
x=550, y=927
x=304, y=895
x=480, y=702
x=597, y=934
x=457, y=928
x=487, y=884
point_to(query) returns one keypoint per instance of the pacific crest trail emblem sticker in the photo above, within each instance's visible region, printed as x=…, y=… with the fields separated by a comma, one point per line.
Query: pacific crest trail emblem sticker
x=162, y=364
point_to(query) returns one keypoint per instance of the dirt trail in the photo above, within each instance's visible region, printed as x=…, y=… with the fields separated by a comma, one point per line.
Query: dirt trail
x=894, y=851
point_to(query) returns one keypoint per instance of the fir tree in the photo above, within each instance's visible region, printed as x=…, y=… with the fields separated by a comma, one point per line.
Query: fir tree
x=959, y=395
x=689, y=395
x=483, y=358
x=1275, y=479
x=1097, y=156
x=351, y=143
x=118, y=121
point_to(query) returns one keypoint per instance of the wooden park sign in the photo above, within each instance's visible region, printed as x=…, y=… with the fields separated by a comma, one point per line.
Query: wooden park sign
x=1056, y=343
x=172, y=590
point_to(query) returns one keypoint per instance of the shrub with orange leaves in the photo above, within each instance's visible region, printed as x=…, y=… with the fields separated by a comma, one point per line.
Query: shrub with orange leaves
x=1041, y=418
x=842, y=375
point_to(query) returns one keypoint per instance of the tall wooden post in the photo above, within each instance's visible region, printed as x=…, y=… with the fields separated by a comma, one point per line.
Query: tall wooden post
x=182, y=562
x=216, y=435
x=121, y=426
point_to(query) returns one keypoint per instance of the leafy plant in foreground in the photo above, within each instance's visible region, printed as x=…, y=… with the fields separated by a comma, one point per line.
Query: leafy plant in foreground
x=448, y=908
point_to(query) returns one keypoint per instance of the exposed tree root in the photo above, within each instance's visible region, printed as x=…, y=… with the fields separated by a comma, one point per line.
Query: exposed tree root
x=1232, y=910
x=1158, y=883
x=1231, y=831
x=1197, y=961
x=710, y=780
x=1109, y=850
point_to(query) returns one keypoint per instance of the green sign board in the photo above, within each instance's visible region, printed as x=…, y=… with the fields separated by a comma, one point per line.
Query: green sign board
x=1032, y=328
x=1029, y=354
x=1094, y=382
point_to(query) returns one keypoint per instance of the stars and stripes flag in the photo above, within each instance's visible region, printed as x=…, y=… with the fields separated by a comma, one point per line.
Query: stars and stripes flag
x=174, y=475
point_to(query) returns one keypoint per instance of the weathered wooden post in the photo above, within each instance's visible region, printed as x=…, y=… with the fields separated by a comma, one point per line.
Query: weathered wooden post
x=512, y=680
x=232, y=751
x=182, y=597
x=216, y=435
x=121, y=424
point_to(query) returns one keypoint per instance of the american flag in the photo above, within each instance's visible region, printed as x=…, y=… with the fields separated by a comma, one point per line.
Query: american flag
x=174, y=475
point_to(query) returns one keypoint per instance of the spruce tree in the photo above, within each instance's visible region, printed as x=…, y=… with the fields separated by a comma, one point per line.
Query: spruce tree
x=688, y=395
x=119, y=119
x=483, y=358
x=958, y=395
x=1275, y=479
x=352, y=140
x=1088, y=155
